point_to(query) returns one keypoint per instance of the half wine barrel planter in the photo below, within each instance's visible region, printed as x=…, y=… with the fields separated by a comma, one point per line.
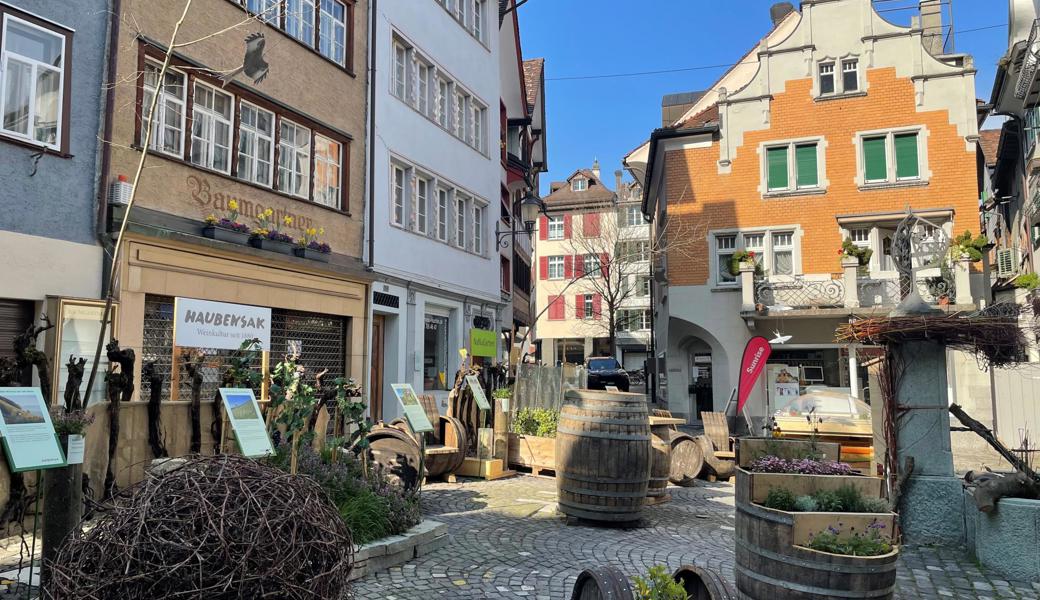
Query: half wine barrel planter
x=603, y=455
x=441, y=458
x=602, y=583
x=661, y=461
x=702, y=584
x=773, y=561
x=397, y=452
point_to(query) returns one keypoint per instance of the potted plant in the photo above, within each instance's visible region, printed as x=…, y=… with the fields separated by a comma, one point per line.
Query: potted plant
x=969, y=247
x=851, y=250
x=310, y=247
x=1027, y=281
x=266, y=235
x=812, y=519
x=226, y=228
x=741, y=257
x=532, y=438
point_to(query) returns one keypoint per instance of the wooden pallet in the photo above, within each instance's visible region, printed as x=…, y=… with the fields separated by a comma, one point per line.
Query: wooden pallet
x=534, y=470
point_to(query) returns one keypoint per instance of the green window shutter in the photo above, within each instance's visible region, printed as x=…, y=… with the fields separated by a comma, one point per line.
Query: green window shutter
x=874, y=159
x=906, y=156
x=776, y=165
x=805, y=158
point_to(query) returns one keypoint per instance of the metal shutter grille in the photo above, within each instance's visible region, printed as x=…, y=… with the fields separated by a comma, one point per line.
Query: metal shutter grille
x=322, y=337
x=15, y=317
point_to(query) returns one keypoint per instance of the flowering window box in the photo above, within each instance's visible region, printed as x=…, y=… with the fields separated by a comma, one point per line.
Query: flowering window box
x=273, y=242
x=311, y=253
x=227, y=232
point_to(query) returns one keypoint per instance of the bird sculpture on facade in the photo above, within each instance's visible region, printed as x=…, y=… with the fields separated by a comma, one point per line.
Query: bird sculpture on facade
x=779, y=338
x=253, y=65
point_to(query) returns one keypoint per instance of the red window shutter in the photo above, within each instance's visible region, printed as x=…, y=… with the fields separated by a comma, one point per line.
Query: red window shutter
x=543, y=228
x=567, y=227
x=543, y=267
x=557, y=308
x=591, y=225
x=597, y=306
x=579, y=266
x=568, y=267
x=552, y=308
x=579, y=306
x=604, y=264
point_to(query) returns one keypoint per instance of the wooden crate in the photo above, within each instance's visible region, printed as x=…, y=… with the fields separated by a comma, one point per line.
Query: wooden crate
x=533, y=452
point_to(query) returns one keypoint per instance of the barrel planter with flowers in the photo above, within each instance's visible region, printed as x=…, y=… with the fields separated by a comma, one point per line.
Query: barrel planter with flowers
x=811, y=528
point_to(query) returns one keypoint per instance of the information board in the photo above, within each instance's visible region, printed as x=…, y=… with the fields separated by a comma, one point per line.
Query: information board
x=478, y=392
x=413, y=411
x=29, y=438
x=244, y=415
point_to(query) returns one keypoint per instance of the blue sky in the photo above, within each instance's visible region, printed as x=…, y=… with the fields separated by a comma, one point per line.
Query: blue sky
x=605, y=118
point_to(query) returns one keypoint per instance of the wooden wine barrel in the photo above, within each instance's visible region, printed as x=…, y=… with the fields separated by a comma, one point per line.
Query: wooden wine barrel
x=660, y=463
x=397, y=452
x=603, y=455
x=703, y=584
x=687, y=459
x=770, y=567
x=602, y=583
x=441, y=458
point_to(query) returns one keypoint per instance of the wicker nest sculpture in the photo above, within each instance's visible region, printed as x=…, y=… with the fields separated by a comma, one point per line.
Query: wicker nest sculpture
x=218, y=527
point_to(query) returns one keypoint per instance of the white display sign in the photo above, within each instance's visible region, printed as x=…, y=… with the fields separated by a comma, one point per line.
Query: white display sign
x=205, y=324
x=74, y=453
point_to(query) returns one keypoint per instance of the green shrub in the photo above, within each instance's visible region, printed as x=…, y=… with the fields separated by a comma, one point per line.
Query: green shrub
x=805, y=504
x=851, y=498
x=502, y=393
x=967, y=245
x=658, y=585
x=780, y=499
x=868, y=543
x=828, y=501
x=1028, y=281
x=874, y=505
x=540, y=422
x=523, y=422
x=367, y=515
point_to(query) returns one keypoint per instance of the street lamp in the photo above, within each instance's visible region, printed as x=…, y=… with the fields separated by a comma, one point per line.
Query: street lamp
x=530, y=207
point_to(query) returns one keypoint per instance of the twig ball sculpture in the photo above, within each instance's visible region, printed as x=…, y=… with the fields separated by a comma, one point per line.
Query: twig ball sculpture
x=218, y=527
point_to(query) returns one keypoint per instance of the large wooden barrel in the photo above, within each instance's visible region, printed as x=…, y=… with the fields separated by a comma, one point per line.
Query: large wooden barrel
x=770, y=567
x=603, y=455
x=441, y=459
x=660, y=463
x=687, y=459
x=703, y=584
x=602, y=583
x=397, y=452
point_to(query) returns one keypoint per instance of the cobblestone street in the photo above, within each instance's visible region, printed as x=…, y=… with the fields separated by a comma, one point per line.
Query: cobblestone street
x=508, y=541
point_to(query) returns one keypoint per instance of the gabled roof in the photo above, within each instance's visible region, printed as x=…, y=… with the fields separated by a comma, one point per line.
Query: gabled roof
x=989, y=141
x=596, y=195
x=534, y=70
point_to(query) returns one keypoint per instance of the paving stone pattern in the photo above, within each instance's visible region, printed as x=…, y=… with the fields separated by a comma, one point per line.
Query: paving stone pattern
x=508, y=541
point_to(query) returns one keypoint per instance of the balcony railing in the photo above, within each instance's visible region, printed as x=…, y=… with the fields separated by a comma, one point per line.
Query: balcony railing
x=800, y=292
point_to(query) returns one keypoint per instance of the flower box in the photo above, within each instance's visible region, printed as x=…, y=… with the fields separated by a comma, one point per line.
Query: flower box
x=533, y=452
x=271, y=245
x=311, y=253
x=751, y=449
x=223, y=234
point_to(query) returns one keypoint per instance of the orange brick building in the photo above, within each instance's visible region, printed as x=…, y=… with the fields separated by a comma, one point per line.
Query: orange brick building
x=828, y=130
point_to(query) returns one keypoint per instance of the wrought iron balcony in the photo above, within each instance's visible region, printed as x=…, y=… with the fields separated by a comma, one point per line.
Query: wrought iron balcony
x=800, y=292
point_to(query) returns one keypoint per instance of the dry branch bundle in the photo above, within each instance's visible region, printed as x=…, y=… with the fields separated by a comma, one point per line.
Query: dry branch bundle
x=218, y=527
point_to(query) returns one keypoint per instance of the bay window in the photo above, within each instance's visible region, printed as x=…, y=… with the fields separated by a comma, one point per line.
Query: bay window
x=211, y=128
x=294, y=159
x=328, y=166
x=255, y=144
x=32, y=88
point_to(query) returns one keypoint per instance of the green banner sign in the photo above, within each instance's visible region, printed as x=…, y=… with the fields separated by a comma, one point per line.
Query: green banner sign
x=482, y=342
x=28, y=435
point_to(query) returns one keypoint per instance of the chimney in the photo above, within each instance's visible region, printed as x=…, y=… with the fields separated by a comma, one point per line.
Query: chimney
x=617, y=181
x=595, y=167
x=932, y=26
x=780, y=10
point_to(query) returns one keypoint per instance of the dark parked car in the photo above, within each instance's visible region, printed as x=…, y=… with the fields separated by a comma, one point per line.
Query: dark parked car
x=604, y=371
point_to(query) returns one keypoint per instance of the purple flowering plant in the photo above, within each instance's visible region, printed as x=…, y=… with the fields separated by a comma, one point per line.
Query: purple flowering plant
x=853, y=543
x=802, y=466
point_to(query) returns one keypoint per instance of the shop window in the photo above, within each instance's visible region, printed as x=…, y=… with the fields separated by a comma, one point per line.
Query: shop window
x=435, y=353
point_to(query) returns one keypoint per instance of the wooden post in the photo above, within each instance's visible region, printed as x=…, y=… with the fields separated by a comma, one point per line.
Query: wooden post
x=501, y=428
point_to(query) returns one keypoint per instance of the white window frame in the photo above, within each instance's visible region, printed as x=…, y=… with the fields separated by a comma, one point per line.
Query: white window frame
x=832, y=68
x=207, y=118
x=588, y=302
x=443, y=207
x=845, y=63
x=460, y=100
x=443, y=104
x=555, y=228
x=398, y=195
x=924, y=175
x=634, y=216
x=328, y=21
x=159, y=124
x=579, y=184
x=399, y=80
x=590, y=265
x=793, y=186
x=295, y=151
x=477, y=13
x=422, y=204
x=719, y=250
x=325, y=193
x=34, y=67
x=298, y=29
x=555, y=268
x=263, y=9
x=461, y=236
x=423, y=74
x=479, y=219
x=775, y=248
x=252, y=131
x=764, y=253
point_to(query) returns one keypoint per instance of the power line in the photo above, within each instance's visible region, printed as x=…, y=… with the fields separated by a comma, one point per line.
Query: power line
x=702, y=67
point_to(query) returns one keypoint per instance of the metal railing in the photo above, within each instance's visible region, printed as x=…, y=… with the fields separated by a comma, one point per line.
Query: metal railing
x=800, y=292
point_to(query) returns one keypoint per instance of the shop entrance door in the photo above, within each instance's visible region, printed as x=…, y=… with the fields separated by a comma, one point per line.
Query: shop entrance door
x=375, y=386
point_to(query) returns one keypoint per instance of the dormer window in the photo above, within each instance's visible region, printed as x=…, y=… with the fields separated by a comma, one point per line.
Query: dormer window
x=579, y=185
x=831, y=84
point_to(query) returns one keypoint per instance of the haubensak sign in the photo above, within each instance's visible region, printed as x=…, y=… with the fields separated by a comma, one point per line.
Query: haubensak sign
x=482, y=342
x=206, y=324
